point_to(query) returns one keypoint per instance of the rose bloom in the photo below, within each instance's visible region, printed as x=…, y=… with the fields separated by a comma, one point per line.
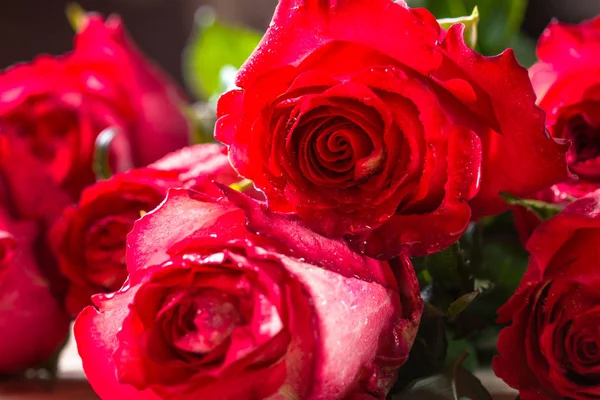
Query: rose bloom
x=53, y=108
x=89, y=239
x=370, y=122
x=218, y=309
x=567, y=82
x=32, y=321
x=551, y=350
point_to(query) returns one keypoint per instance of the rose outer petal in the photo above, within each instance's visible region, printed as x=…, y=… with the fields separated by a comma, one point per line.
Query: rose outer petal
x=371, y=370
x=181, y=215
x=96, y=335
x=553, y=233
x=378, y=24
x=306, y=244
x=569, y=47
x=32, y=190
x=26, y=303
x=342, y=304
x=505, y=169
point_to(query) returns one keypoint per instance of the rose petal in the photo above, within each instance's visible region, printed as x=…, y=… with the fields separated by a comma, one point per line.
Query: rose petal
x=183, y=213
x=305, y=244
x=156, y=101
x=521, y=127
x=96, y=335
x=568, y=47
x=378, y=24
x=555, y=232
x=26, y=302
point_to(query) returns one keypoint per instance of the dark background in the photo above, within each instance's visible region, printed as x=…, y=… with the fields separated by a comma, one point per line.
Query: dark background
x=161, y=27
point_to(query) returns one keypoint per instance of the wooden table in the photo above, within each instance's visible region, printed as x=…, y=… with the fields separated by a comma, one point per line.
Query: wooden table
x=72, y=384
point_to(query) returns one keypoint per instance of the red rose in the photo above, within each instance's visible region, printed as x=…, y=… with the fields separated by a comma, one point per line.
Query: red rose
x=369, y=122
x=150, y=103
x=216, y=310
x=567, y=83
x=551, y=350
x=55, y=107
x=89, y=239
x=526, y=221
x=32, y=323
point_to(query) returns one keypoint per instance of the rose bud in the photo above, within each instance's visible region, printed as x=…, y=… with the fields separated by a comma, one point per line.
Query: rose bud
x=89, y=239
x=370, y=122
x=55, y=107
x=551, y=350
x=216, y=309
x=32, y=322
x=567, y=82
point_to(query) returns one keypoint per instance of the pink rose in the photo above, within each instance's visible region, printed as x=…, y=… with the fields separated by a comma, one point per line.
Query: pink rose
x=218, y=309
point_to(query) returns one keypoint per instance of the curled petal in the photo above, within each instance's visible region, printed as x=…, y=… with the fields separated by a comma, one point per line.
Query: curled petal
x=569, y=47
x=306, y=244
x=521, y=126
x=378, y=24
x=547, y=240
x=405, y=233
x=96, y=333
x=183, y=213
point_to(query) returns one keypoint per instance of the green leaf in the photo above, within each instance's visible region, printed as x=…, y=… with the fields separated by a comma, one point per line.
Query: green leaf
x=541, y=209
x=470, y=23
x=203, y=117
x=457, y=349
x=468, y=385
x=76, y=16
x=460, y=304
x=212, y=47
x=444, y=276
x=500, y=20
x=455, y=383
x=436, y=387
x=442, y=266
x=428, y=354
x=497, y=269
x=524, y=48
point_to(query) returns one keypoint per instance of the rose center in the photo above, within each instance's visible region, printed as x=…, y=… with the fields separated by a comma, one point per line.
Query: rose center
x=104, y=252
x=590, y=348
x=588, y=351
x=584, y=154
x=336, y=150
x=209, y=323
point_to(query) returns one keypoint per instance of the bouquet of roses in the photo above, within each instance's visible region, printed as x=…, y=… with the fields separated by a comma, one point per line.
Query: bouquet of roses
x=384, y=202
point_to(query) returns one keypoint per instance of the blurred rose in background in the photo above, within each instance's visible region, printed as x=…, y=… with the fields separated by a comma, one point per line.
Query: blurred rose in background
x=162, y=27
